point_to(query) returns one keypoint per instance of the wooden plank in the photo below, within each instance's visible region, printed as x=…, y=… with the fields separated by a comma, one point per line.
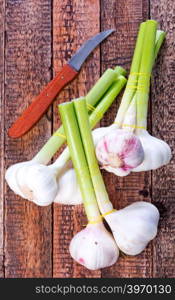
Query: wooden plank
x=28, y=229
x=73, y=23
x=2, y=11
x=125, y=16
x=163, y=126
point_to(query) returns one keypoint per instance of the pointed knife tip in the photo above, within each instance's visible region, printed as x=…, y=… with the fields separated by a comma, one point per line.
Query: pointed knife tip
x=109, y=31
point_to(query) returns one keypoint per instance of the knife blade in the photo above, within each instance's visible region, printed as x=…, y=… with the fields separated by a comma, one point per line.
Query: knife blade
x=69, y=71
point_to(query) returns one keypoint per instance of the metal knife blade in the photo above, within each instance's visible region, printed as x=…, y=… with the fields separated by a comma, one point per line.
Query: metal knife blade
x=83, y=52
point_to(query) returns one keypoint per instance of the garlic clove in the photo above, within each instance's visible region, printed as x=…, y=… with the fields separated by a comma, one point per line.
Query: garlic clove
x=134, y=226
x=68, y=188
x=38, y=183
x=156, y=152
x=119, y=151
x=94, y=247
x=11, y=177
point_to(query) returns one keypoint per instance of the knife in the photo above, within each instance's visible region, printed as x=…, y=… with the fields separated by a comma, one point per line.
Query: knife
x=69, y=71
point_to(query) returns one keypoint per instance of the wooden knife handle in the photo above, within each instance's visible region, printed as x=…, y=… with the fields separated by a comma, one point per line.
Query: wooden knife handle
x=41, y=103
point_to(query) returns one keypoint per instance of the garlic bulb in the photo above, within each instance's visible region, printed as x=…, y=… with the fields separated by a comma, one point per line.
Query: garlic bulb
x=94, y=247
x=134, y=226
x=119, y=151
x=148, y=153
x=68, y=195
x=157, y=153
x=72, y=194
x=38, y=183
x=33, y=181
x=11, y=177
x=44, y=185
x=45, y=177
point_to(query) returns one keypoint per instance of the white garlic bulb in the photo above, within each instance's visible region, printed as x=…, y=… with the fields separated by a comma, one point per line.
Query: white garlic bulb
x=33, y=181
x=119, y=151
x=157, y=153
x=134, y=226
x=46, y=184
x=11, y=177
x=100, y=132
x=72, y=195
x=94, y=247
x=38, y=183
x=68, y=189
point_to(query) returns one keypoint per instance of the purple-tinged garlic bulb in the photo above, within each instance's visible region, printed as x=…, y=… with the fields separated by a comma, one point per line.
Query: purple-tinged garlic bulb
x=119, y=152
x=94, y=247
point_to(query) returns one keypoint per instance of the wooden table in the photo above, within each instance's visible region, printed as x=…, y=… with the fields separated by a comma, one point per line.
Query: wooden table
x=36, y=38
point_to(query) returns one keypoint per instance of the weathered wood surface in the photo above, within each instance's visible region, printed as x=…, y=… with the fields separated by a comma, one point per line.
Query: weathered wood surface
x=28, y=231
x=40, y=37
x=125, y=16
x=2, y=11
x=163, y=126
x=73, y=23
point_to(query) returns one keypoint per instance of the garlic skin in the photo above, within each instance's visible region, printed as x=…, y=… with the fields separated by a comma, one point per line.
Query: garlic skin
x=68, y=194
x=134, y=226
x=94, y=247
x=100, y=132
x=38, y=183
x=46, y=184
x=157, y=153
x=120, y=151
x=33, y=181
x=11, y=177
x=72, y=195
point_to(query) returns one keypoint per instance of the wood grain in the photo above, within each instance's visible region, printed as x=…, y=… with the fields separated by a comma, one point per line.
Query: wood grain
x=36, y=35
x=163, y=127
x=28, y=231
x=2, y=12
x=125, y=16
x=73, y=23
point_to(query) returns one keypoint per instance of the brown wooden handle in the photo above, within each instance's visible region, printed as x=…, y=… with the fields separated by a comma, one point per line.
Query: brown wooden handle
x=41, y=103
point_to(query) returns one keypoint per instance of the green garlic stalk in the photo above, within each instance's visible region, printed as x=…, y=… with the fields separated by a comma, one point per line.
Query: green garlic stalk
x=157, y=153
x=121, y=150
x=135, y=225
x=63, y=195
x=39, y=183
x=133, y=77
x=93, y=97
x=98, y=183
x=146, y=65
x=94, y=246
